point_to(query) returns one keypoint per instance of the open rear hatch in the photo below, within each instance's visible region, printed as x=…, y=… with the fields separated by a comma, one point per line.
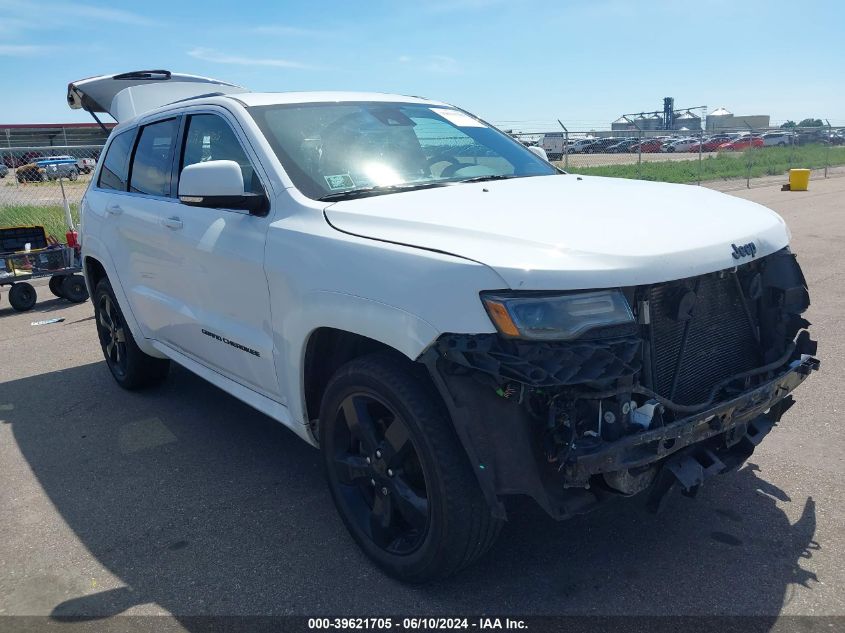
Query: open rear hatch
x=127, y=95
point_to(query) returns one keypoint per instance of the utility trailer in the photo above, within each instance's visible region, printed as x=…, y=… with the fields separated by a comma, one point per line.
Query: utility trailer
x=26, y=253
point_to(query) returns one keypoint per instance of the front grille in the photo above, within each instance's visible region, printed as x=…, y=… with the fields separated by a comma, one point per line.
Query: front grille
x=720, y=342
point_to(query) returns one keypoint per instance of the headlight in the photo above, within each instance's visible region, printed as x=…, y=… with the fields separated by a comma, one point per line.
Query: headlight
x=558, y=317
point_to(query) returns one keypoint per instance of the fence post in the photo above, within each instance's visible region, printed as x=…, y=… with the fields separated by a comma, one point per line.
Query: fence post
x=565, y=145
x=700, y=154
x=827, y=149
x=750, y=149
x=12, y=161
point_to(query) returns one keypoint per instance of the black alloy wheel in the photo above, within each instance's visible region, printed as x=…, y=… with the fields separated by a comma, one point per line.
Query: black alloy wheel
x=131, y=367
x=379, y=473
x=112, y=332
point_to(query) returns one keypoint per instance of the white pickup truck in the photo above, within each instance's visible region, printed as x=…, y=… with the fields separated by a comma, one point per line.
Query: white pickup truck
x=450, y=318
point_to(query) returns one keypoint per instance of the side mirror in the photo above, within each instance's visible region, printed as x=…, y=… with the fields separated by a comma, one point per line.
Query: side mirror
x=536, y=149
x=219, y=184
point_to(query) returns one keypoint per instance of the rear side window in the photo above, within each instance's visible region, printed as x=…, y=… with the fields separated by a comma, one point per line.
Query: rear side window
x=153, y=158
x=209, y=137
x=116, y=162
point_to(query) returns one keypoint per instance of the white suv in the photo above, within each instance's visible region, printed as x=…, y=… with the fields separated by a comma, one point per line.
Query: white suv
x=451, y=319
x=779, y=139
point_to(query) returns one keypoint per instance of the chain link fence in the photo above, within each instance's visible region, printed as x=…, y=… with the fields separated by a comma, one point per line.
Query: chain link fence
x=736, y=155
x=36, y=180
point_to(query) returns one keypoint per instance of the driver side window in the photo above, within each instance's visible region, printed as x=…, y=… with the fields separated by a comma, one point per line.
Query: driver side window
x=209, y=137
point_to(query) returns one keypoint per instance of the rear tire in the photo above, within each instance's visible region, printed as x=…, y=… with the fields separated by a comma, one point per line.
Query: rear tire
x=131, y=368
x=22, y=296
x=425, y=517
x=74, y=289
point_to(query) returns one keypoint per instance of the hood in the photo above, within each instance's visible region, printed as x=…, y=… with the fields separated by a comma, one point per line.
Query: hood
x=568, y=232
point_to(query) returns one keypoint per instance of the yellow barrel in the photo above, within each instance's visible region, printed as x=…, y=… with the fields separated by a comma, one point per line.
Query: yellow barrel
x=799, y=179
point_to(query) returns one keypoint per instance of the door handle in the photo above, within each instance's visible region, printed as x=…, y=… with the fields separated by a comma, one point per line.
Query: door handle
x=172, y=223
x=114, y=209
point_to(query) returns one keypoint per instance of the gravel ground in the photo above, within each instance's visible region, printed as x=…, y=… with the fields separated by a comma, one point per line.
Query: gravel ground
x=183, y=501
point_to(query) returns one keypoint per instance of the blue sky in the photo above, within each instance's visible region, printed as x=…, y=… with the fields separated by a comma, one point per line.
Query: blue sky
x=520, y=64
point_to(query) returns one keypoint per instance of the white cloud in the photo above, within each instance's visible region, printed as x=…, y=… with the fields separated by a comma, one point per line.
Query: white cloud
x=23, y=50
x=22, y=16
x=211, y=55
x=442, y=64
x=106, y=14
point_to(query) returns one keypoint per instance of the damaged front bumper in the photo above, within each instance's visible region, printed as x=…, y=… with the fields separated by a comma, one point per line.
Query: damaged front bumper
x=509, y=460
x=687, y=389
x=740, y=418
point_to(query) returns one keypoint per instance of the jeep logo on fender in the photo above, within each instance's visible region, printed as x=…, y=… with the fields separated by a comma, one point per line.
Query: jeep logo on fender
x=744, y=250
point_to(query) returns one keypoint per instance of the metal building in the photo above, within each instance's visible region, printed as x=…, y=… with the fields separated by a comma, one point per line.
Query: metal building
x=724, y=119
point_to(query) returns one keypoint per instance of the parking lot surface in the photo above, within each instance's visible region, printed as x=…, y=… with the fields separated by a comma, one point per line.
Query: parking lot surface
x=181, y=500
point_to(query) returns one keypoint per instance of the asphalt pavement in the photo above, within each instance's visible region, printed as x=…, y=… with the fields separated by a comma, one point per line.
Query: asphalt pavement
x=182, y=501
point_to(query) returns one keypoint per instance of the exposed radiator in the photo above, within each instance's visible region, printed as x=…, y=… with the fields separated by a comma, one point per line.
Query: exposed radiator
x=720, y=341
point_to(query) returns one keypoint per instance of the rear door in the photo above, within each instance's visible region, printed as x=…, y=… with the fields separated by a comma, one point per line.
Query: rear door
x=217, y=283
x=133, y=195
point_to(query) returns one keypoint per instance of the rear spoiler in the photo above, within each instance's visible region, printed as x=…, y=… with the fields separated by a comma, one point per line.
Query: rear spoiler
x=127, y=95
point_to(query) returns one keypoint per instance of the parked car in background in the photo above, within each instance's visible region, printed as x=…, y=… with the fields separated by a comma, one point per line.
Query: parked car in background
x=86, y=165
x=742, y=143
x=649, y=145
x=48, y=168
x=808, y=136
x=680, y=145
x=833, y=137
x=579, y=146
x=553, y=144
x=622, y=146
x=777, y=139
x=600, y=145
x=20, y=159
x=711, y=144
x=59, y=167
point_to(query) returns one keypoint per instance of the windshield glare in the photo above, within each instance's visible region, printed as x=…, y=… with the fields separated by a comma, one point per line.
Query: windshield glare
x=332, y=148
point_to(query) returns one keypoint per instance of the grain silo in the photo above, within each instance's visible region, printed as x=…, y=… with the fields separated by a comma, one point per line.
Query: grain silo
x=687, y=120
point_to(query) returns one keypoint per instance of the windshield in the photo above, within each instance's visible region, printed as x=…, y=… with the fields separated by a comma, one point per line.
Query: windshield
x=333, y=150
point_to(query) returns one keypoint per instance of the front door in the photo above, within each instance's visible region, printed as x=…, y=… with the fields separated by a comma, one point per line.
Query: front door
x=218, y=269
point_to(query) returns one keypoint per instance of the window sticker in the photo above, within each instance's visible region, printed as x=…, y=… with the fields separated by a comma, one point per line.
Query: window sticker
x=455, y=117
x=340, y=181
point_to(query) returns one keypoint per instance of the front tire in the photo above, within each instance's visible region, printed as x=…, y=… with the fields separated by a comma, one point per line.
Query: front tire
x=131, y=368
x=398, y=474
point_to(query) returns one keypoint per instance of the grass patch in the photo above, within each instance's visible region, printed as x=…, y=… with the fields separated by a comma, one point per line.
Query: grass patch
x=52, y=218
x=765, y=161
